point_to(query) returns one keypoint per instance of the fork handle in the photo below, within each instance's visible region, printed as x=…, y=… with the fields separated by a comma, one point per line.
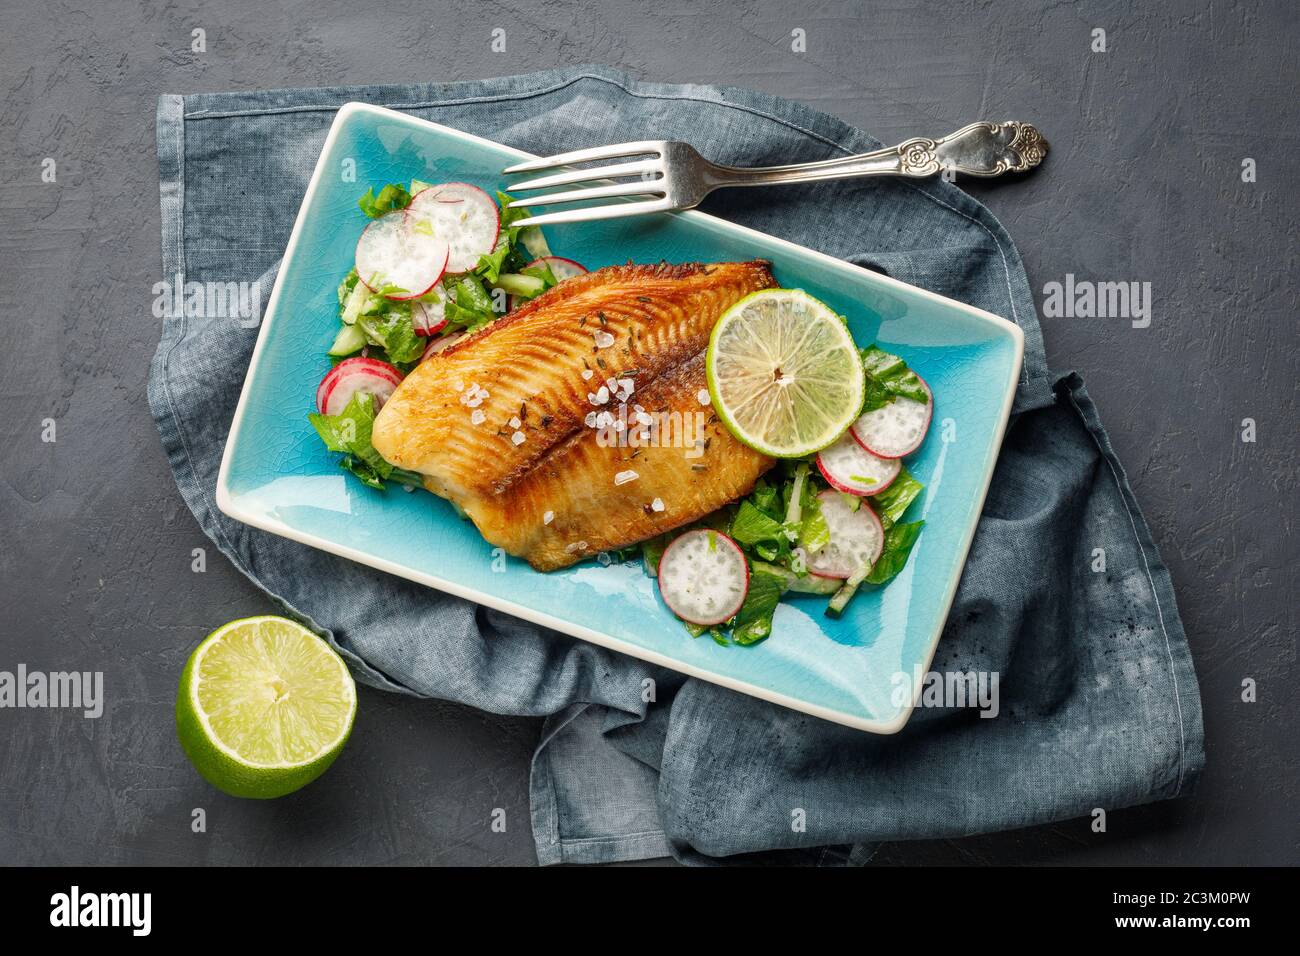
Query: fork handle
x=980, y=149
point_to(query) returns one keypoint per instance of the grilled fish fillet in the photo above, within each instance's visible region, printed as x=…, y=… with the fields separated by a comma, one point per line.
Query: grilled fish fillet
x=499, y=422
x=602, y=495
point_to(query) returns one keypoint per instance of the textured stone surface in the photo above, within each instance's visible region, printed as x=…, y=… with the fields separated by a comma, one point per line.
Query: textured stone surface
x=1144, y=184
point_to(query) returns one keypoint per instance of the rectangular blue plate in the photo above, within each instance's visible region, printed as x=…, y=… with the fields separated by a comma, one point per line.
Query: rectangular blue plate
x=862, y=670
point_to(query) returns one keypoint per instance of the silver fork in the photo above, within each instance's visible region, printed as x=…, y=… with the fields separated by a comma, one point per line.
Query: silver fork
x=674, y=175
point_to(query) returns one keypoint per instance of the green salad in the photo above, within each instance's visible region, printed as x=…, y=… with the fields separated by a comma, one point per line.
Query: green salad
x=428, y=281
x=438, y=262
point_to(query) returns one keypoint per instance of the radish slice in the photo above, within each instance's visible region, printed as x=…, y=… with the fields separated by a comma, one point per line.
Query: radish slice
x=849, y=467
x=441, y=342
x=429, y=318
x=394, y=251
x=561, y=268
x=353, y=376
x=895, y=430
x=857, y=538
x=703, y=577
x=464, y=216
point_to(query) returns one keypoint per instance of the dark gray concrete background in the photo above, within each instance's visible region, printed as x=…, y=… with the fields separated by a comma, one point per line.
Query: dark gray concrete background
x=1144, y=183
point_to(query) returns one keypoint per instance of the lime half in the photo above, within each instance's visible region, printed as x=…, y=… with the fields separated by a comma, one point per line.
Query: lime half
x=264, y=707
x=784, y=374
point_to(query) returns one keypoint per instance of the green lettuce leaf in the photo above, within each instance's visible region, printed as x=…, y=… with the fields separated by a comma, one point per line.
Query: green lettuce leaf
x=751, y=526
x=510, y=216
x=767, y=499
x=898, y=545
x=698, y=630
x=393, y=196
x=888, y=377
x=890, y=504
x=393, y=330
x=541, y=271
x=507, y=256
x=814, y=534
x=349, y=432
x=491, y=265
x=754, y=619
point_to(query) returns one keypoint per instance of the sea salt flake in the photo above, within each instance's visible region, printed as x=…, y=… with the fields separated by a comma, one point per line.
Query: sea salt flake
x=587, y=373
x=518, y=438
x=478, y=417
x=604, y=559
x=515, y=422
x=591, y=420
x=548, y=517
x=657, y=505
x=623, y=477
x=603, y=339
x=702, y=396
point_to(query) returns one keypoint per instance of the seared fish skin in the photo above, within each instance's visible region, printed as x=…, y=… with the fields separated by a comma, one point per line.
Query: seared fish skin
x=602, y=496
x=631, y=321
x=499, y=423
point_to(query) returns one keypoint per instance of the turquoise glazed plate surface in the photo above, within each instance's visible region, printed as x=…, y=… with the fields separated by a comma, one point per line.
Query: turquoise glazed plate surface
x=863, y=670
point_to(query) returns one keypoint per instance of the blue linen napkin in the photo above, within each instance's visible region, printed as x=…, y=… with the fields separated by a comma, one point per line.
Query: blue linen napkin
x=1099, y=705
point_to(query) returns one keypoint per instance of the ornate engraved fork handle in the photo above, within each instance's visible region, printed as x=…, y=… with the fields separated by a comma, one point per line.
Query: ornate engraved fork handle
x=980, y=149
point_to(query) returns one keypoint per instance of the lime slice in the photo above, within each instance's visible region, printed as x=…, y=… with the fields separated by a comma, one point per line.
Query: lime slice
x=784, y=374
x=264, y=707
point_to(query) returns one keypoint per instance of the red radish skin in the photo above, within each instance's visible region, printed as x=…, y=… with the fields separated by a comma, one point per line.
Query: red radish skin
x=843, y=481
x=667, y=591
x=379, y=371
x=390, y=241
x=465, y=246
x=429, y=318
x=925, y=429
x=360, y=375
x=440, y=343
x=832, y=503
x=830, y=480
x=561, y=268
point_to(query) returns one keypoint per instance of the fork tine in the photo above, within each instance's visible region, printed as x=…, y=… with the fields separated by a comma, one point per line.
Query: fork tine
x=584, y=156
x=582, y=175
x=594, y=192
x=612, y=211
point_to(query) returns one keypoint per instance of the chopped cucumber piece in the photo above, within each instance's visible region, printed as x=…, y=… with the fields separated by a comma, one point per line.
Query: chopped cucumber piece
x=807, y=584
x=350, y=339
x=845, y=594
x=356, y=304
x=518, y=284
